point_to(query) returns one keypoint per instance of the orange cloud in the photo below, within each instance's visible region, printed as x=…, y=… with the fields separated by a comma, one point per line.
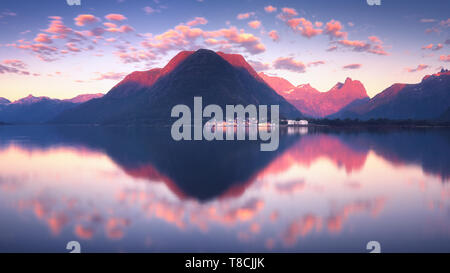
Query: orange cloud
x=197, y=21
x=270, y=9
x=420, y=67
x=242, y=16
x=43, y=38
x=444, y=58
x=274, y=35
x=333, y=29
x=84, y=19
x=115, y=17
x=255, y=24
x=289, y=11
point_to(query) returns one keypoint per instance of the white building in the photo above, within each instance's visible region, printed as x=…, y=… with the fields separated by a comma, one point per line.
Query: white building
x=297, y=122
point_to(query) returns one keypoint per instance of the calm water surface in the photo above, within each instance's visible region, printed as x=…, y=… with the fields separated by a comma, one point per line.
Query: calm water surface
x=121, y=189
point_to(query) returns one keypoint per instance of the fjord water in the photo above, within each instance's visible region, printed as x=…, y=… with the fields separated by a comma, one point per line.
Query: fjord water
x=132, y=189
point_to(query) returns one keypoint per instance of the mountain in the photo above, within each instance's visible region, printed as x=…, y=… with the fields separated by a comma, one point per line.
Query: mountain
x=4, y=101
x=33, y=109
x=277, y=83
x=84, y=98
x=426, y=100
x=313, y=103
x=148, y=97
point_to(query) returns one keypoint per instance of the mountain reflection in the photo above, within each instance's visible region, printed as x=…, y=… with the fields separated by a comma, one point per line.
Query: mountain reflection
x=206, y=170
x=107, y=181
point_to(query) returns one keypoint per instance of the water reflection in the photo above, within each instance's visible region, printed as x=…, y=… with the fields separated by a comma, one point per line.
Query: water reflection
x=135, y=189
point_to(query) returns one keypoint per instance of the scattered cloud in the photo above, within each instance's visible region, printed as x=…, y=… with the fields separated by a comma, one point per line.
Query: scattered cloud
x=288, y=63
x=115, y=17
x=85, y=19
x=444, y=58
x=352, y=66
x=197, y=21
x=259, y=66
x=274, y=35
x=334, y=29
x=43, y=38
x=15, y=63
x=242, y=16
x=289, y=12
x=420, y=67
x=316, y=63
x=270, y=9
x=255, y=24
x=433, y=47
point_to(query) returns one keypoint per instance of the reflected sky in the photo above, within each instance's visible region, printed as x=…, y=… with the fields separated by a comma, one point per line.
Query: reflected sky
x=118, y=189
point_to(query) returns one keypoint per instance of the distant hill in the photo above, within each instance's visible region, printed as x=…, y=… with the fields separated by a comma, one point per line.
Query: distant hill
x=427, y=100
x=33, y=109
x=317, y=104
x=148, y=97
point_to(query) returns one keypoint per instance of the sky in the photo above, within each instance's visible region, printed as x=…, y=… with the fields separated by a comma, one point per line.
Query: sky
x=50, y=48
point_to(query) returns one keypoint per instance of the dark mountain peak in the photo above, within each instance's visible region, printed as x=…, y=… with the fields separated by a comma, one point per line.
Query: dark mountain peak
x=4, y=101
x=30, y=99
x=175, y=61
x=134, y=82
x=443, y=72
x=239, y=61
x=218, y=78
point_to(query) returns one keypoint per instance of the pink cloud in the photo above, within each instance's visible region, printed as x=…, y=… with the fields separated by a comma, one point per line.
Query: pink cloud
x=72, y=47
x=274, y=35
x=197, y=21
x=420, y=67
x=84, y=19
x=15, y=63
x=433, y=47
x=43, y=38
x=316, y=63
x=444, y=58
x=333, y=29
x=58, y=28
x=307, y=29
x=255, y=24
x=110, y=25
x=115, y=17
x=355, y=45
x=121, y=29
x=375, y=39
x=289, y=11
x=332, y=48
x=352, y=66
x=429, y=46
x=84, y=232
x=270, y=9
x=288, y=63
x=242, y=16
